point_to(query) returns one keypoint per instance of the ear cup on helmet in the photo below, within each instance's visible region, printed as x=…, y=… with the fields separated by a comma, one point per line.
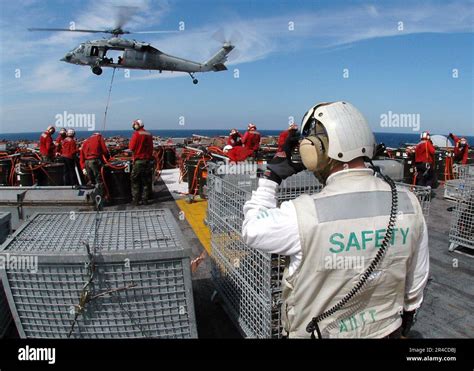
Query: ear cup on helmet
x=313, y=152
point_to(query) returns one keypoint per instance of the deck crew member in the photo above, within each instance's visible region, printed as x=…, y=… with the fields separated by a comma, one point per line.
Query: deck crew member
x=287, y=139
x=61, y=136
x=424, y=160
x=69, y=153
x=141, y=145
x=47, y=148
x=461, y=149
x=251, y=139
x=348, y=220
x=91, y=159
x=234, y=139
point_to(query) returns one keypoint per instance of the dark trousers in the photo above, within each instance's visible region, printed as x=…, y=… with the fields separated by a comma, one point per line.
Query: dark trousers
x=425, y=174
x=93, y=168
x=141, y=180
x=70, y=177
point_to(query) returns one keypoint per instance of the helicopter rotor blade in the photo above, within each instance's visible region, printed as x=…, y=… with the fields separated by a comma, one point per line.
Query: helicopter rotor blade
x=145, y=32
x=67, y=30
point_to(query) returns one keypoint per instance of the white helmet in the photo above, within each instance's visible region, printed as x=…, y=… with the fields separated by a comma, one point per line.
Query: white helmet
x=227, y=148
x=348, y=132
x=137, y=123
x=425, y=135
x=71, y=133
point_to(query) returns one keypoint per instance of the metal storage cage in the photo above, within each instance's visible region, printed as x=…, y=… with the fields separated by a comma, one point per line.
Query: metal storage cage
x=248, y=281
x=463, y=171
x=135, y=283
x=462, y=221
x=5, y=315
x=452, y=189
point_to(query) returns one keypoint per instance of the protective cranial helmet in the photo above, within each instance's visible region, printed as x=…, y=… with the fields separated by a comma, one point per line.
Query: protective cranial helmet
x=227, y=148
x=233, y=131
x=425, y=135
x=251, y=127
x=334, y=133
x=62, y=132
x=71, y=133
x=137, y=124
x=462, y=142
x=51, y=129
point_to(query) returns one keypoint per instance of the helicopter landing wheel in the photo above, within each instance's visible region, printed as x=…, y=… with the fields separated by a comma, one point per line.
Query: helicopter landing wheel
x=97, y=70
x=195, y=81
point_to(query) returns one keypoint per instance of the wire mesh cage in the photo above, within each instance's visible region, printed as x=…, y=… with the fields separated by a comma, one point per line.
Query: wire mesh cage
x=118, y=274
x=5, y=315
x=463, y=171
x=249, y=281
x=422, y=193
x=462, y=220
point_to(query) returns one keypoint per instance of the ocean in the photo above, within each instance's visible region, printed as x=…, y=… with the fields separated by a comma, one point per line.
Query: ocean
x=389, y=139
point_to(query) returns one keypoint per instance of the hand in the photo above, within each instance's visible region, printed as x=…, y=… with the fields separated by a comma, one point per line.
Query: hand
x=281, y=168
x=84, y=171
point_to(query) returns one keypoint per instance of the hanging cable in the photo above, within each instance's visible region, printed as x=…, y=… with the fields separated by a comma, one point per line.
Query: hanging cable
x=108, y=101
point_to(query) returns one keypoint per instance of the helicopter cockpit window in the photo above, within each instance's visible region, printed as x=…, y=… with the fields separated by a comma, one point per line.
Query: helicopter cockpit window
x=80, y=49
x=94, y=51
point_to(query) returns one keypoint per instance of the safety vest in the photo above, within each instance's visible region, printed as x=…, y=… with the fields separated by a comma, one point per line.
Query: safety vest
x=341, y=229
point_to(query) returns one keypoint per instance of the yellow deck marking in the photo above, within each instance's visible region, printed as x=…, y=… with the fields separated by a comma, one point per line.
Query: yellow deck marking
x=195, y=214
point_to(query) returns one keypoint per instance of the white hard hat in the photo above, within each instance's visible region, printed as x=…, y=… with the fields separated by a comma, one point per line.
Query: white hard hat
x=227, y=148
x=71, y=132
x=251, y=126
x=139, y=122
x=425, y=135
x=348, y=132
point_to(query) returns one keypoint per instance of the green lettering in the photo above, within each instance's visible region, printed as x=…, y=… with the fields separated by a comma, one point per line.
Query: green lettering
x=337, y=243
x=365, y=239
x=362, y=317
x=379, y=235
x=404, y=234
x=372, y=313
x=392, y=240
x=343, y=326
x=353, y=242
x=353, y=322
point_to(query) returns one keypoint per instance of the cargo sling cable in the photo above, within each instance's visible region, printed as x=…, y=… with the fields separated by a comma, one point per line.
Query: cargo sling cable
x=108, y=100
x=86, y=294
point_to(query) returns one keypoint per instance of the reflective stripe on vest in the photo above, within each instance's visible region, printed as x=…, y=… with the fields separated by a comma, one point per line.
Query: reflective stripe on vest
x=360, y=205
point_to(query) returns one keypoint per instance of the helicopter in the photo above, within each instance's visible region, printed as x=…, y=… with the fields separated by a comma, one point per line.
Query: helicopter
x=135, y=54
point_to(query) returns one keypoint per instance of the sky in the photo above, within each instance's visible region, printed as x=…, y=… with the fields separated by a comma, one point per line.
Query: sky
x=399, y=62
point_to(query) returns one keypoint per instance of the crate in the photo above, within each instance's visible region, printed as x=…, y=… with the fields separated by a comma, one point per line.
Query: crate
x=461, y=232
x=5, y=315
x=422, y=193
x=141, y=286
x=453, y=188
x=463, y=171
x=248, y=280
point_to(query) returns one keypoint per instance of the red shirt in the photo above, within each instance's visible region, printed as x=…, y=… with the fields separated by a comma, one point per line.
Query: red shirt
x=424, y=152
x=462, y=154
x=282, y=139
x=239, y=153
x=234, y=140
x=142, y=145
x=46, y=145
x=93, y=147
x=68, y=147
x=251, y=140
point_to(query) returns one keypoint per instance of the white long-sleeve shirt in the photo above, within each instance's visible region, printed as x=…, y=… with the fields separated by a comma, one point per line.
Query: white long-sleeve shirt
x=273, y=229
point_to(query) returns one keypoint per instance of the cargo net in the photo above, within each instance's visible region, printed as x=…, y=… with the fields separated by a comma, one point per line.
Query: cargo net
x=462, y=221
x=249, y=281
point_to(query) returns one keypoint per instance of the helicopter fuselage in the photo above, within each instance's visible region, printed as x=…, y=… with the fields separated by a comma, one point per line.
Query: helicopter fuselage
x=139, y=55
